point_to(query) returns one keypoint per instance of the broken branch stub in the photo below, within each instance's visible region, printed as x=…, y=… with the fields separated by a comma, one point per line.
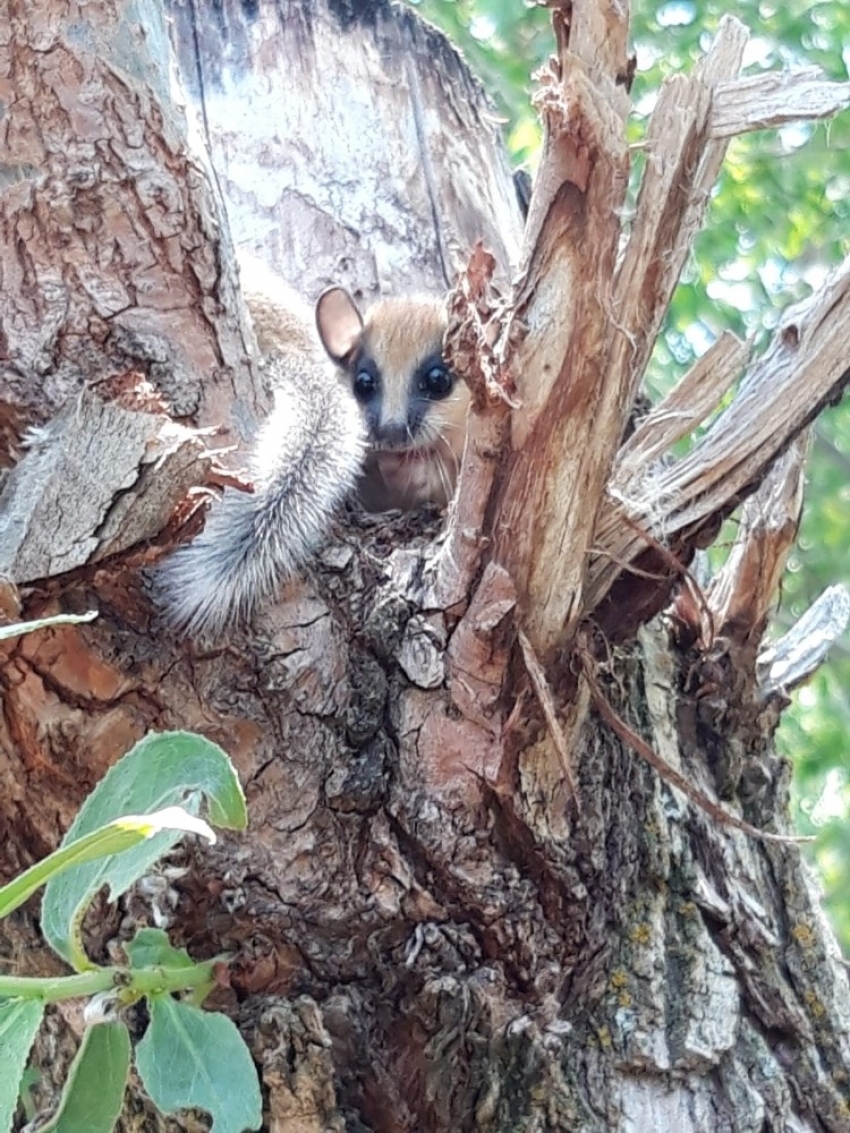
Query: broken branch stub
x=682, y=164
x=741, y=594
x=590, y=324
x=803, y=369
x=791, y=660
x=566, y=431
x=584, y=327
x=774, y=99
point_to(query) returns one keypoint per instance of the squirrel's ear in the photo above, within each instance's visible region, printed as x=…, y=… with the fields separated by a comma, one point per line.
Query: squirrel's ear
x=339, y=322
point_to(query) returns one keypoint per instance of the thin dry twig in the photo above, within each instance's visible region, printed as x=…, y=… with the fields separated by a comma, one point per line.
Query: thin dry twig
x=670, y=774
x=677, y=567
x=547, y=703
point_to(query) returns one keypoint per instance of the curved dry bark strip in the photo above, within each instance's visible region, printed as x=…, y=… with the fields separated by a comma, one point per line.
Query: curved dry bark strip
x=775, y=98
x=792, y=659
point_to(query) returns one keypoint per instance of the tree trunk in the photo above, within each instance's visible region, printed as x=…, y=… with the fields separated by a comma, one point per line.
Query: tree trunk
x=517, y=854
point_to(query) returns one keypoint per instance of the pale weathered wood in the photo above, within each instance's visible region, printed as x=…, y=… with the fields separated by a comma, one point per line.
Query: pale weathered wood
x=775, y=98
x=380, y=211
x=95, y=482
x=786, y=663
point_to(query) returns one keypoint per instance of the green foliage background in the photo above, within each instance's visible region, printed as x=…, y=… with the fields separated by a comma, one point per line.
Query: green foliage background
x=778, y=222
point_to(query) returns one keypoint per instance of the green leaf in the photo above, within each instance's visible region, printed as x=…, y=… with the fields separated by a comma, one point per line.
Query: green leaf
x=191, y=1058
x=20, y=628
x=120, y=835
x=166, y=770
x=19, y=1022
x=94, y=1092
x=150, y=947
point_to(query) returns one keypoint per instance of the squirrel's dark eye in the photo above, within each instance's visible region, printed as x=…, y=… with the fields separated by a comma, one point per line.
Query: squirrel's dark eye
x=437, y=381
x=365, y=384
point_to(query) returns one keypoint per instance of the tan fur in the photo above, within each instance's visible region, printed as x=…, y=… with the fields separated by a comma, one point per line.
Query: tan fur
x=399, y=334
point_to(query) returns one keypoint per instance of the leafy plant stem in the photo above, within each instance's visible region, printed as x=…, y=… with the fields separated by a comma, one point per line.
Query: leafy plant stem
x=131, y=983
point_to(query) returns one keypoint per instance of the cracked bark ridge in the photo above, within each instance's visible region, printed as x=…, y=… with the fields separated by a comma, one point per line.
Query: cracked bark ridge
x=109, y=238
x=429, y=930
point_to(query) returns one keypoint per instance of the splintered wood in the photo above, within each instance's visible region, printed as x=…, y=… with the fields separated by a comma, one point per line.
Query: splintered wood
x=571, y=416
x=772, y=99
x=682, y=164
x=743, y=590
x=804, y=368
x=578, y=511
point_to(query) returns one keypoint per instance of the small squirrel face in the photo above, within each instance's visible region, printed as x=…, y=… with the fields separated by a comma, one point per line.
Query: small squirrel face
x=413, y=405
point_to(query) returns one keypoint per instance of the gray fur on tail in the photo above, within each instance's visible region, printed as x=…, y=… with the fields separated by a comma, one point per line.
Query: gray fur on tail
x=304, y=462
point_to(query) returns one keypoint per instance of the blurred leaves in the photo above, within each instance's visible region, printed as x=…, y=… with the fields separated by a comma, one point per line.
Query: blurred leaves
x=779, y=219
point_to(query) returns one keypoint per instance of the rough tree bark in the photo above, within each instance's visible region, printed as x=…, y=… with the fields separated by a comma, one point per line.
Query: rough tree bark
x=467, y=899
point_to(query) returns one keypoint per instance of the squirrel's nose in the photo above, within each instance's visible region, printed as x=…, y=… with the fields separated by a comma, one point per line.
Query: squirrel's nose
x=391, y=434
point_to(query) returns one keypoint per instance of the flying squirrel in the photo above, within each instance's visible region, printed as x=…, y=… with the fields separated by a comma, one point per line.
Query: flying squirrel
x=379, y=411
